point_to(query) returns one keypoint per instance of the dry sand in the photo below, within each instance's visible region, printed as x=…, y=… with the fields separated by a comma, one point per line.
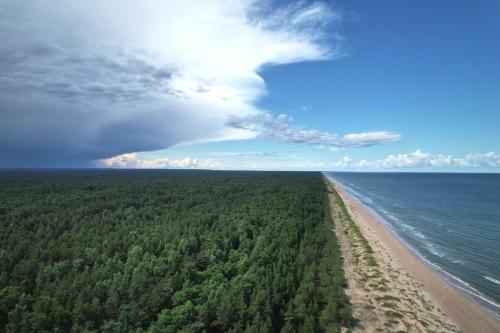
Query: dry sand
x=399, y=292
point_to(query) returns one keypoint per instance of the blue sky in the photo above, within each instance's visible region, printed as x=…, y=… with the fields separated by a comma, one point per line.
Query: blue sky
x=359, y=85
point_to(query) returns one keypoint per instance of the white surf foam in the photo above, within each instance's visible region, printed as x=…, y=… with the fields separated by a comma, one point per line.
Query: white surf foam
x=489, y=278
x=421, y=235
x=406, y=226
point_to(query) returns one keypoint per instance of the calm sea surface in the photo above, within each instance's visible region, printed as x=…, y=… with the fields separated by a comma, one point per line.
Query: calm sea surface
x=452, y=221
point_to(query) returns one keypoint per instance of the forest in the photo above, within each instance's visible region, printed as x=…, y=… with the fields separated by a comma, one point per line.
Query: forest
x=168, y=251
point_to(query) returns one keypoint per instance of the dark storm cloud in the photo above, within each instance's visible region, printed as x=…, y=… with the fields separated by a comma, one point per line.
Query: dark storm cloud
x=70, y=75
x=54, y=106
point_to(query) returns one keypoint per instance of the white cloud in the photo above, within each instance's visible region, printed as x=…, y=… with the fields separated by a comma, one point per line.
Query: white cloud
x=136, y=161
x=85, y=80
x=411, y=161
x=344, y=162
x=279, y=129
x=244, y=153
x=420, y=159
x=490, y=159
x=366, y=139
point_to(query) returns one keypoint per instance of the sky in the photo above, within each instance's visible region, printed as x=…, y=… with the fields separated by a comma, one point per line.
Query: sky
x=266, y=85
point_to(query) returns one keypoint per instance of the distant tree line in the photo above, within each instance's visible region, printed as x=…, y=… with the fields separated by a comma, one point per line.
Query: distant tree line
x=168, y=251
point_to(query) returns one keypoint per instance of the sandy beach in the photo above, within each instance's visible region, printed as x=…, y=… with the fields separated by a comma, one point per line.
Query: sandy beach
x=390, y=288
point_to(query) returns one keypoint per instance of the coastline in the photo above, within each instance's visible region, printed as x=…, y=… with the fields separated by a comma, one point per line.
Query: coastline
x=392, y=253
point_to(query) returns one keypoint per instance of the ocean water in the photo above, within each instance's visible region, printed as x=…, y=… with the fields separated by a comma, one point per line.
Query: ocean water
x=451, y=221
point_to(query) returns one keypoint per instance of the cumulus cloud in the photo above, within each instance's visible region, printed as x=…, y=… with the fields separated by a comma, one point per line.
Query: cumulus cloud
x=408, y=161
x=86, y=80
x=136, y=161
x=245, y=153
x=420, y=159
x=280, y=129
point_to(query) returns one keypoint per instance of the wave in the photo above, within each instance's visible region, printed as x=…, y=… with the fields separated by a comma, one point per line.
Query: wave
x=489, y=278
x=432, y=249
x=460, y=284
x=406, y=226
x=392, y=217
x=421, y=235
x=361, y=197
x=471, y=290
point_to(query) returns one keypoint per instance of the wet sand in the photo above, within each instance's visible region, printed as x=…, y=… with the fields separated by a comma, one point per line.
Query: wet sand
x=427, y=302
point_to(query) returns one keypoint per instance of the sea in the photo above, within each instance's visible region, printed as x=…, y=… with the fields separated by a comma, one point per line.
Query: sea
x=451, y=221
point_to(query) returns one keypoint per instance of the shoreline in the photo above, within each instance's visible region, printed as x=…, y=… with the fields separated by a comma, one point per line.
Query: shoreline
x=448, y=277
x=462, y=311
